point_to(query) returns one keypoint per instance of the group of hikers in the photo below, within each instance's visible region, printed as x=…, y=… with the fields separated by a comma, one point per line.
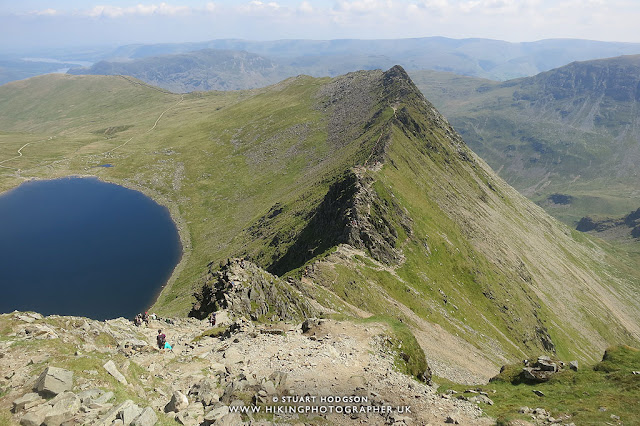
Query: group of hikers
x=161, y=338
x=139, y=319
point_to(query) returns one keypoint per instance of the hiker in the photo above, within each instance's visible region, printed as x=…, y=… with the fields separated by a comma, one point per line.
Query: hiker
x=137, y=320
x=161, y=339
x=145, y=318
x=212, y=319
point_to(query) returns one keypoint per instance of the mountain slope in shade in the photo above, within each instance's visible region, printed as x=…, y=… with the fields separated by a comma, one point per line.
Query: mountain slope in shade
x=356, y=190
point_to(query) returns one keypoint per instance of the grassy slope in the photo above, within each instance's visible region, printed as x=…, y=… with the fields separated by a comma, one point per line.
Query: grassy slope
x=589, y=396
x=222, y=160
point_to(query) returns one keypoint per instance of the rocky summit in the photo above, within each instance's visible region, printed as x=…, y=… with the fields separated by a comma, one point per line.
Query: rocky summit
x=74, y=371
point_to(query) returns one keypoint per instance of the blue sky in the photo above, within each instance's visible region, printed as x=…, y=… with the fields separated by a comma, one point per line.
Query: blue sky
x=47, y=23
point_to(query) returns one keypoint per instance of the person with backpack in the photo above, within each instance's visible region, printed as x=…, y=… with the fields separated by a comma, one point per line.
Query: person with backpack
x=161, y=339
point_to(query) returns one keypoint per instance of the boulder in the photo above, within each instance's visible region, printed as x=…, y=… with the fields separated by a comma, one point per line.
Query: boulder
x=279, y=380
x=535, y=374
x=185, y=419
x=205, y=392
x=178, y=402
x=90, y=395
x=54, y=380
x=482, y=398
x=128, y=413
x=108, y=418
x=231, y=419
x=148, y=417
x=26, y=402
x=216, y=414
x=545, y=364
x=104, y=398
x=111, y=369
x=453, y=419
x=269, y=387
x=63, y=409
x=40, y=332
x=573, y=365
x=35, y=417
x=25, y=318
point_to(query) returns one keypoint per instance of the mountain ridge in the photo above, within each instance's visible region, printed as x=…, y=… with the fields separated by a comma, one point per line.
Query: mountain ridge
x=471, y=259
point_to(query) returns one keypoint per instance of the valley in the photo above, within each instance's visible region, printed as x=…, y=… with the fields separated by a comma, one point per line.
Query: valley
x=572, y=131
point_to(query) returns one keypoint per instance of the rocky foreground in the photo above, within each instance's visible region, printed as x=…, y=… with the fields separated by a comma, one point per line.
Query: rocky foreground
x=74, y=371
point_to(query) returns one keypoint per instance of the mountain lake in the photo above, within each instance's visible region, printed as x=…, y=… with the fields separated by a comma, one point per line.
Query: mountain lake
x=80, y=246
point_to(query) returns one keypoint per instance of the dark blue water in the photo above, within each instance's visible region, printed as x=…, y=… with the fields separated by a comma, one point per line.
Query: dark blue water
x=79, y=246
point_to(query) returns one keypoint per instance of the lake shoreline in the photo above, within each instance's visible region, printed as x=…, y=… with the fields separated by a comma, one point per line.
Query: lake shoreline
x=160, y=199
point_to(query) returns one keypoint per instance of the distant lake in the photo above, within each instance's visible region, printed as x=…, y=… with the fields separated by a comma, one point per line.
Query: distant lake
x=79, y=246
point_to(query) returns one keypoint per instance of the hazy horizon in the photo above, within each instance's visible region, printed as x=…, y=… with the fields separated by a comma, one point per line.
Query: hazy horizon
x=33, y=24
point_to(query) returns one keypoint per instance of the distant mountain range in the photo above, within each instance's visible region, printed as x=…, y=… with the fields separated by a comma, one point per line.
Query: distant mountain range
x=574, y=130
x=197, y=71
x=492, y=59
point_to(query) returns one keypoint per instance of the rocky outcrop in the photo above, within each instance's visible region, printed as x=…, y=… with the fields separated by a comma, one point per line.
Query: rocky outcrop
x=247, y=290
x=544, y=368
x=354, y=211
x=612, y=227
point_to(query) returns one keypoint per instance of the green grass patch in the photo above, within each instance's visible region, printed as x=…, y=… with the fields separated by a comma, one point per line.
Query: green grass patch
x=589, y=396
x=218, y=332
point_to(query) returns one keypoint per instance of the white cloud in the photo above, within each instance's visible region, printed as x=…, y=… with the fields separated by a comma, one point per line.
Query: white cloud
x=210, y=7
x=140, y=9
x=305, y=7
x=45, y=12
x=363, y=6
x=259, y=6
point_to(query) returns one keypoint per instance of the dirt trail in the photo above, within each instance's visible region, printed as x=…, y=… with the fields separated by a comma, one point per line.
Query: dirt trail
x=448, y=355
x=148, y=131
x=331, y=359
x=19, y=154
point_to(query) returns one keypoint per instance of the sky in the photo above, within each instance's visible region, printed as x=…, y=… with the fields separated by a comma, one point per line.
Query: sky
x=73, y=23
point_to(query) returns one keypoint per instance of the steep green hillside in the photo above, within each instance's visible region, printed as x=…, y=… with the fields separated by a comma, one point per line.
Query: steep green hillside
x=572, y=131
x=355, y=189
